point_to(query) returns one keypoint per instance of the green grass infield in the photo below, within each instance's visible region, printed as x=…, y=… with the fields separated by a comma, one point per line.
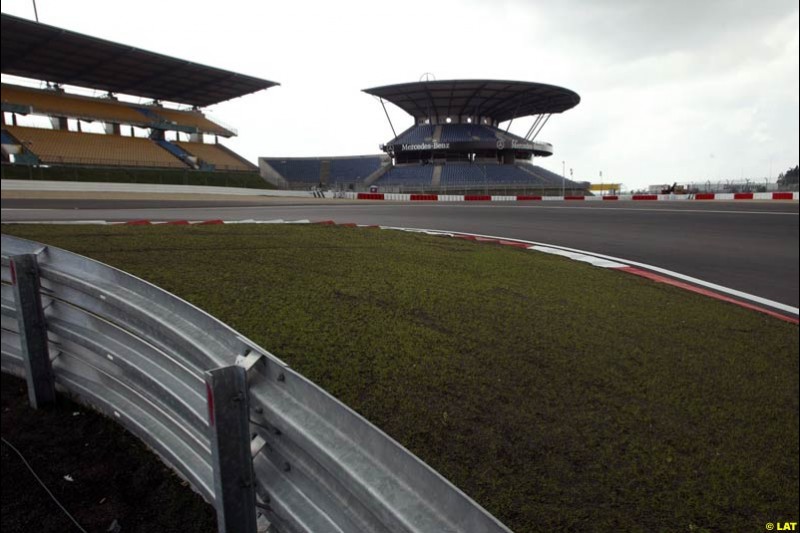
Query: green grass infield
x=560, y=396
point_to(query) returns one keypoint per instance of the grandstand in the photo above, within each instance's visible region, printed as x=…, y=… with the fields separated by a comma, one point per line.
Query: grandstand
x=349, y=172
x=169, y=133
x=56, y=147
x=455, y=143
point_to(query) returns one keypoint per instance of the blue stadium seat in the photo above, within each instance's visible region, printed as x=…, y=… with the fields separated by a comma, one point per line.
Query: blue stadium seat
x=297, y=170
x=7, y=139
x=174, y=149
x=149, y=114
x=466, y=133
x=408, y=176
x=414, y=134
x=462, y=175
x=351, y=170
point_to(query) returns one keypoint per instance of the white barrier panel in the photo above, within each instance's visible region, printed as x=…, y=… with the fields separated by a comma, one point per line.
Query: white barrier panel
x=78, y=186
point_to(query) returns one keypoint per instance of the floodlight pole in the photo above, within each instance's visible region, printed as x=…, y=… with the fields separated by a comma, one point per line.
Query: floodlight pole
x=571, y=175
x=564, y=178
x=35, y=11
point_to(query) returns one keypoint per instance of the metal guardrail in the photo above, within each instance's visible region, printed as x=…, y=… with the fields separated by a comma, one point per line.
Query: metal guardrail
x=149, y=359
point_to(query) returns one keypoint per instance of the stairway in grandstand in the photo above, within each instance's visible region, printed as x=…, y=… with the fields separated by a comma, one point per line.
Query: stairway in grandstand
x=436, y=177
x=324, y=172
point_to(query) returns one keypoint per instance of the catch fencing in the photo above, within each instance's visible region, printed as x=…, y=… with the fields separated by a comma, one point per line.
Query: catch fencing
x=263, y=444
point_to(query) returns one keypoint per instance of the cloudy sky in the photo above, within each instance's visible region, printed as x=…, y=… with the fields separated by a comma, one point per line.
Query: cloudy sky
x=671, y=91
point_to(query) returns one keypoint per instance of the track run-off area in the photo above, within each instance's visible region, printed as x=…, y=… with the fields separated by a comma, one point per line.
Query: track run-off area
x=748, y=246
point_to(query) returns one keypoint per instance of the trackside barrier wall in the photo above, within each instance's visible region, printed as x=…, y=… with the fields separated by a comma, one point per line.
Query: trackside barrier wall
x=151, y=360
x=401, y=197
x=143, y=188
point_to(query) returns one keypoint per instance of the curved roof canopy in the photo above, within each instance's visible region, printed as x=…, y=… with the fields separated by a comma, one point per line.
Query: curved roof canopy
x=498, y=99
x=48, y=53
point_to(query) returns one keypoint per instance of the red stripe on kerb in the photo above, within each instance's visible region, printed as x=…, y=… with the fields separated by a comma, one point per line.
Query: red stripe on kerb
x=514, y=244
x=705, y=196
x=743, y=196
x=370, y=196
x=782, y=196
x=645, y=197
x=525, y=198
x=574, y=198
x=424, y=197
x=477, y=198
x=705, y=292
x=610, y=197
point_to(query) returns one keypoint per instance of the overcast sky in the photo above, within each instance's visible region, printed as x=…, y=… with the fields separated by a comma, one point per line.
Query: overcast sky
x=670, y=91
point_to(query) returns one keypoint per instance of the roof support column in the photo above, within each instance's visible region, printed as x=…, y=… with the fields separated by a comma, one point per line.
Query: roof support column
x=387, y=118
x=540, y=127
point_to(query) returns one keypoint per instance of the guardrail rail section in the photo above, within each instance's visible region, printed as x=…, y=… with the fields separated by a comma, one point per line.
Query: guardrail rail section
x=231, y=418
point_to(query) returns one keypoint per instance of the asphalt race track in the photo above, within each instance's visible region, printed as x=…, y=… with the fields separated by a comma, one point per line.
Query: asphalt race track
x=751, y=246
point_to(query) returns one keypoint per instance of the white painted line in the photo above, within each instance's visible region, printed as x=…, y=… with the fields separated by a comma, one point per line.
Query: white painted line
x=592, y=260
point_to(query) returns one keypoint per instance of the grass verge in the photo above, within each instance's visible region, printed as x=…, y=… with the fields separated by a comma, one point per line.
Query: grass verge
x=560, y=396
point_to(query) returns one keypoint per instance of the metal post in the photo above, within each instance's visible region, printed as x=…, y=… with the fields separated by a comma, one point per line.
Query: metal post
x=32, y=330
x=231, y=459
x=571, y=177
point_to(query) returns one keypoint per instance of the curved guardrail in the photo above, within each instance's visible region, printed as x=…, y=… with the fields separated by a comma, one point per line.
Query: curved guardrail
x=147, y=358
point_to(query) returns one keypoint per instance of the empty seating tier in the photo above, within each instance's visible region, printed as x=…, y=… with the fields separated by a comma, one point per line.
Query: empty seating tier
x=49, y=102
x=217, y=155
x=467, y=133
x=354, y=169
x=191, y=118
x=415, y=134
x=298, y=170
x=61, y=104
x=408, y=176
x=463, y=175
x=467, y=175
x=68, y=147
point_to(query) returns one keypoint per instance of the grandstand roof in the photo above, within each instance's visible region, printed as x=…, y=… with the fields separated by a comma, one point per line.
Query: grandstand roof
x=499, y=99
x=34, y=50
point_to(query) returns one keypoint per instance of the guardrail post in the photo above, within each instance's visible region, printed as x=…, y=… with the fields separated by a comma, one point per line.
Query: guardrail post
x=32, y=329
x=231, y=459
